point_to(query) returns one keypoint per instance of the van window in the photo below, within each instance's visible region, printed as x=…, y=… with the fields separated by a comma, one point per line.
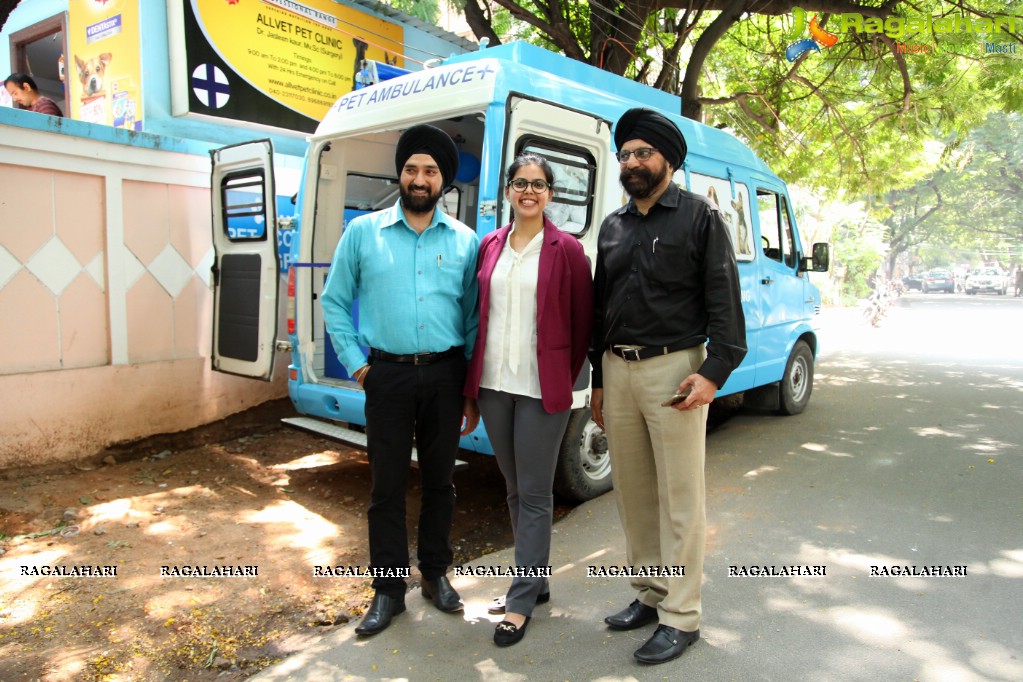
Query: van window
x=370, y=193
x=733, y=209
x=571, y=203
x=777, y=240
x=243, y=203
x=787, y=233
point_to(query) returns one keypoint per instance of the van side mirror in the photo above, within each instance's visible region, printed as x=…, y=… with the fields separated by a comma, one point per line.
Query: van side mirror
x=820, y=259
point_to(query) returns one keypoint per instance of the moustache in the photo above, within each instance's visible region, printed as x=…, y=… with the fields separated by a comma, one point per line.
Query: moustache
x=637, y=173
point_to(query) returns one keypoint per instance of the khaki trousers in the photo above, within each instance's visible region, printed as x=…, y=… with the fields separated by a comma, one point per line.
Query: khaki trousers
x=657, y=458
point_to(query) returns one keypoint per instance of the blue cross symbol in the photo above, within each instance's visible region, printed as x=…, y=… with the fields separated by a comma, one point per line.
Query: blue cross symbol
x=210, y=85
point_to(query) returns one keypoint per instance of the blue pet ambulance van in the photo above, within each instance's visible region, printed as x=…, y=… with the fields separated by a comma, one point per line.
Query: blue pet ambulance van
x=495, y=103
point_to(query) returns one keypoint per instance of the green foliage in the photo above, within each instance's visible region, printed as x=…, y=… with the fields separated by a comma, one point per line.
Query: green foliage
x=858, y=242
x=854, y=117
x=424, y=10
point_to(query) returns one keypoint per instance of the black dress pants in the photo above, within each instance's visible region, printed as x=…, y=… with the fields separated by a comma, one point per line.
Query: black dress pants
x=405, y=402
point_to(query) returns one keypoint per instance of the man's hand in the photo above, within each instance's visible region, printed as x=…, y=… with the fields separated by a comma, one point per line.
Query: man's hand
x=597, y=406
x=470, y=416
x=703, y=392
x=360, y=375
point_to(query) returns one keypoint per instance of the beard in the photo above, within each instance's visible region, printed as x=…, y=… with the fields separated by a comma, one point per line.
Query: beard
x=641, y=182
x=417, y=203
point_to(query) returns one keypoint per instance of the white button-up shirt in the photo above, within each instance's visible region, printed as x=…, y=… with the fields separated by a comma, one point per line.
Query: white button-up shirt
x=509, y=359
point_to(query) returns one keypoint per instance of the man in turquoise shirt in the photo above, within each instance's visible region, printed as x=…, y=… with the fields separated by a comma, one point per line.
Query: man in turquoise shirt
x=413, y=269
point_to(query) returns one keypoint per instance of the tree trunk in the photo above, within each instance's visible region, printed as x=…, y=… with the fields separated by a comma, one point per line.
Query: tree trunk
x=691, y=107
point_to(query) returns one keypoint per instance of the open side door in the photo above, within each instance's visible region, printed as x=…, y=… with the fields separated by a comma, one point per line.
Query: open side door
x=245, y=267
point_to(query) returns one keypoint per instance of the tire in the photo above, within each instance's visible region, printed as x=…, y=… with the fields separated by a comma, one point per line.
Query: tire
x=797, y=383
x=584, y=463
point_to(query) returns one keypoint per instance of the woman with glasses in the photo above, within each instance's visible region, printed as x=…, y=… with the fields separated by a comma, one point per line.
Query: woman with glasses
x=536, y=300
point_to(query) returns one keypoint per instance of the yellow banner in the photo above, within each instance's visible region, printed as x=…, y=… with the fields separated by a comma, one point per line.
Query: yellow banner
x=104, y=72
x=304, y=55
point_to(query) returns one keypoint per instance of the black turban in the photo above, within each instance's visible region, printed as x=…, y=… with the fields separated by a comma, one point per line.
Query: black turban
x=659, y=131
x=426, y=139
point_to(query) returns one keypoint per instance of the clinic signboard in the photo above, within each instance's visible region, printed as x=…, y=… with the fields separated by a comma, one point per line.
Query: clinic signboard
x=279, y=63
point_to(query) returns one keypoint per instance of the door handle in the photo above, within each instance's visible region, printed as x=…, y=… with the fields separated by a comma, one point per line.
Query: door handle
x=767, y=280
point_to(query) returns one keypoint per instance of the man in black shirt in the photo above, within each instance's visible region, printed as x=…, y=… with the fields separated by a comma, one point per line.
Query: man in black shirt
x=665, y=282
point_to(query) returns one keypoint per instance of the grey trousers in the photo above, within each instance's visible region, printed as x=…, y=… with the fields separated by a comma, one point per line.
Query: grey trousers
x=526, y=442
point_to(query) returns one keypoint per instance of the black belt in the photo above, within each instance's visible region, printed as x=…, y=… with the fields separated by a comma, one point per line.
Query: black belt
x=415, y=358
x=636, y=354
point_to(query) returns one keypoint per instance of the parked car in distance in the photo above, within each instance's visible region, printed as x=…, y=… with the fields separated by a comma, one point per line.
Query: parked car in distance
x=987, y=279
x=939, y=280
x=913, y=282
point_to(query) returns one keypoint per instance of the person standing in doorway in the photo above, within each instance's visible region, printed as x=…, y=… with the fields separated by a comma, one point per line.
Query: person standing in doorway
x=414, y=270
x=536, y=307
x=666, y=280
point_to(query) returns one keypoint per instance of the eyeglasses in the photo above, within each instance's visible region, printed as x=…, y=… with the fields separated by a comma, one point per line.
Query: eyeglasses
x=520, y=185
x=642, y=154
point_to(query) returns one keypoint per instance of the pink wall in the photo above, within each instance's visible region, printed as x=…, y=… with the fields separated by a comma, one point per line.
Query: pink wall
x=105, y=302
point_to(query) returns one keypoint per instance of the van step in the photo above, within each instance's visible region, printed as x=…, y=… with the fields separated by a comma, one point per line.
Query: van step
x=343, y=434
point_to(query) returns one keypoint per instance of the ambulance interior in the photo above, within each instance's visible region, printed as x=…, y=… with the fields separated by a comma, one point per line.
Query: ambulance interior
x=356, y=176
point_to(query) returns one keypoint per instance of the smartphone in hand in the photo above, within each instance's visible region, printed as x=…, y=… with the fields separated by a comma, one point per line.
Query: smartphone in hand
x=678, y=397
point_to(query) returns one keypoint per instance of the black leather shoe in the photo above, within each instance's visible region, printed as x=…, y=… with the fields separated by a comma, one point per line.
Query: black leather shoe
x=506, y=634
x=442, y=594
x=635, y=615
x=497, y=607
x=379, y=614
x=666, y=644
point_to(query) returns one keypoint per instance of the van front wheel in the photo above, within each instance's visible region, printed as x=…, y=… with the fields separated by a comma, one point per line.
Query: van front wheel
x=584, y=463
x=797, y=384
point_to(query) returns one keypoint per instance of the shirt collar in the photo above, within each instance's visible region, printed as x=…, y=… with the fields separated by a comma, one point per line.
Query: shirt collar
x=396, y=216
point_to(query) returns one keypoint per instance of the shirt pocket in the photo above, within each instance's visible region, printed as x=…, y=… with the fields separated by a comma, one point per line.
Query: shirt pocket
x=447, y=275
x=669, y=263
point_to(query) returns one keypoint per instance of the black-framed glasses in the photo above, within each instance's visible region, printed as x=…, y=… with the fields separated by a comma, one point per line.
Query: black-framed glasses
x=643, y=153
x=520, y=185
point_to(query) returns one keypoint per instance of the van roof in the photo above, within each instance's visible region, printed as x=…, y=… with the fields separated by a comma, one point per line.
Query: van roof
x=485, y=78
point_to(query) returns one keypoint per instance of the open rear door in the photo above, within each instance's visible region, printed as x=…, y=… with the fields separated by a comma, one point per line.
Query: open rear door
x=245, y=268
x=578, y=147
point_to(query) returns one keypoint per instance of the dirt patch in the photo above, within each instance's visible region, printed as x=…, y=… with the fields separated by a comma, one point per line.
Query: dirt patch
x=245, y=492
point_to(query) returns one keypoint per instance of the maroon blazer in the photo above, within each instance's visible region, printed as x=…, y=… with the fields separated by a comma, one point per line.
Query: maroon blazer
x=564, y=313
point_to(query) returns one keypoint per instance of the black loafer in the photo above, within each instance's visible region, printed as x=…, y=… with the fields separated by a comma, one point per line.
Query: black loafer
x=379, y=614
x=442, y=594
x=506, y=634
x=635, y=615
x=497, y=607
x=666, y=644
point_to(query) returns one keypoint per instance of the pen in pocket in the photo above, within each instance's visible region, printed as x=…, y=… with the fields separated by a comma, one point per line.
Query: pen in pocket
x=438, y=260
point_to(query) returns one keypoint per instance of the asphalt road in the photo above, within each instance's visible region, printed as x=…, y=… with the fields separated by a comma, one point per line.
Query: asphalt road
x=908, y=455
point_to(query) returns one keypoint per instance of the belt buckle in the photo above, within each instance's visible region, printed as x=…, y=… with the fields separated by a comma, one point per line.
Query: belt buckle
x=627, y=351
x=417, y=356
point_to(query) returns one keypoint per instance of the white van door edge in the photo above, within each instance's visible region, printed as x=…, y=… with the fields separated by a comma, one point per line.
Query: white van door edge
x=246, y=264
